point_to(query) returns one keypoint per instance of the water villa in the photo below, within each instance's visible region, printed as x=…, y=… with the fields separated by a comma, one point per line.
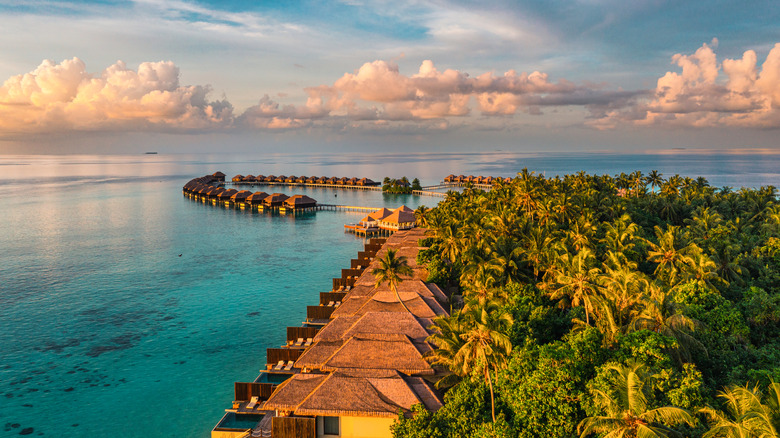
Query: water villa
x=402, y=218
x=207, y=189
x=351, y=373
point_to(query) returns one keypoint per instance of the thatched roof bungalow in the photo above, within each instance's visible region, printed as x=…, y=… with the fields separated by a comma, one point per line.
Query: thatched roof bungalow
x=270, y=178
x=362, y=399
x=219, y=176
x=281, y=178
x=449, y=178
x=380, y=352
x=275, y=200
x=256, y=198
x=291, y=179
x=240, y=196
x=299, y=201
x=238, y=178
x=402, y=218
x=301, y=179
x=250, y=178
x=352, y=181
x=367, y=182
x=260, y=178
x=227, y=194
x=344, y=327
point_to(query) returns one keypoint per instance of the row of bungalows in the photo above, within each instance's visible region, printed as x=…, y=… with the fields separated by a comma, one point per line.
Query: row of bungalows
x=202, y=189
x=489, y=180
x=364, y=364
x=304, y=180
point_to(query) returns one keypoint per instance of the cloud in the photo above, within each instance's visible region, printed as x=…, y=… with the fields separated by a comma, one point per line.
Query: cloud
x=708, y=94
x=65, y=96
x=378, y=90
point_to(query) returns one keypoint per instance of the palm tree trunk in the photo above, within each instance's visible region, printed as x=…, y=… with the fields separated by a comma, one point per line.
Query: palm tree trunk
x=397, y=295
x=492, y=400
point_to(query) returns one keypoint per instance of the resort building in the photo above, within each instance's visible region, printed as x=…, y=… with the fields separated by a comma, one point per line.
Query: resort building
x=352, y=376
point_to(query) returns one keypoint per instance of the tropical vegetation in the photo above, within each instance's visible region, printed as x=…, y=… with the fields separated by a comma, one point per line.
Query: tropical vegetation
x=604, y=306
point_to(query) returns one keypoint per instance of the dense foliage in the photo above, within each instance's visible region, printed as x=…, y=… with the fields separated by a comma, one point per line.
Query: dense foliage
x=605, y=306
x=402, y=185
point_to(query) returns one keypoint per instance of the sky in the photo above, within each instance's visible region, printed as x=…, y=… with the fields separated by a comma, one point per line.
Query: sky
x=185, y=76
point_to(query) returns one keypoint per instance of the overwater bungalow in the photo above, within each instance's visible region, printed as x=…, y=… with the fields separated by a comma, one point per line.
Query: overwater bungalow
x=275, y=200
x=301, y=179
x=270, y=178
x=226, y=195
x=348, y=403
x=366, y=182
x=219, y=176
x=260, y=178
x=240, y=196
x=238, y=178
x=299, y=202
x=449, y=178
x=342, y=181
x=256, y=198
x=460, y=179
x=291, y=179
x=281, y=178
x=311, y=180
x=332, y=180
x=352, y=181
x=249, y=178
x=401, y=218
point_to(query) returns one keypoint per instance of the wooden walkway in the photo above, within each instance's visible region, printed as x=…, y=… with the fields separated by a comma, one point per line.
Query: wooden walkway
x=334, y=207
x=429, y=193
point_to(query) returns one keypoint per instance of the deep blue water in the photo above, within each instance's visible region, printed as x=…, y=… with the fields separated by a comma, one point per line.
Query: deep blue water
x=127, y=309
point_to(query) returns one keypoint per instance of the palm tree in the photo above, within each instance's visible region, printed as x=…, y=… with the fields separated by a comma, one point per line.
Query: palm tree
x=671, y=257
x=662, y=314
x=575, y=282
x=655, y=179
x=745, y=415
x=446, y=337
x=390, y=270
x=626, y=408
x=421, y=216
x=486, y=344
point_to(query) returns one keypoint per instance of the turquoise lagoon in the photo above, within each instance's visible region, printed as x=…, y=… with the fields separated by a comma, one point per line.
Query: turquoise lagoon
x=127, y=309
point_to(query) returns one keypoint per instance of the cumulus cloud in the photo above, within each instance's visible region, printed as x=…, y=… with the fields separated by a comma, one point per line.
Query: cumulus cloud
x=65, y=96
x=706, y=93
x=379, y=91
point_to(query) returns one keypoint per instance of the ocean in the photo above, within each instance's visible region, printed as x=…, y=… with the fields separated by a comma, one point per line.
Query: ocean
x=128, y=309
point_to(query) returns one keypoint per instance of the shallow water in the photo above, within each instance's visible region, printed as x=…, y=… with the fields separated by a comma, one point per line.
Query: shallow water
x=128, y=309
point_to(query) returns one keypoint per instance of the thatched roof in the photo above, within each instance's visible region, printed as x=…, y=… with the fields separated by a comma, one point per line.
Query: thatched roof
x=240, y=196
x=289, y=394
x=380, y=351
x=256, y=197
x=380, y=214
x=400, y=217
x=238, y=178
x=218, y=174
x=300, y=201
x=275, y=198
x=249, y=178
x=318, y=353
x=227, y=194
x=370, y=393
